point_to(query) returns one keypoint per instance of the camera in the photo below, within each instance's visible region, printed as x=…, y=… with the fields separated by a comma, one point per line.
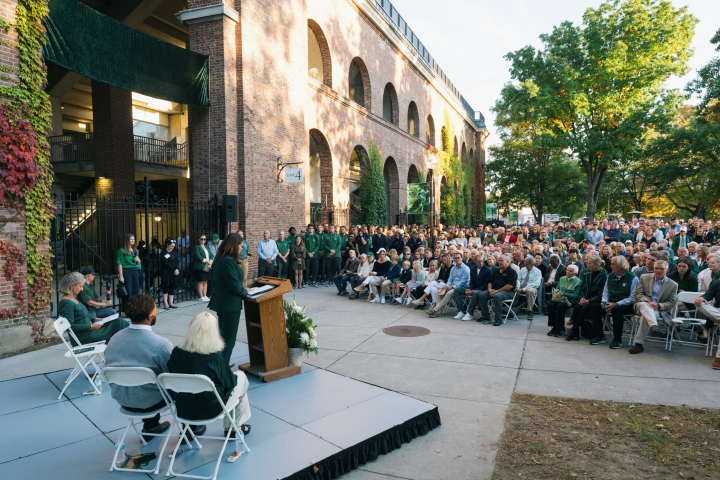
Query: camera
x=110, y=277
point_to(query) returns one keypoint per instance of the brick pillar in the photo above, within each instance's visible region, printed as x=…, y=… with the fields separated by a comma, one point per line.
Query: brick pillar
x=114, y=158
x=214, y=131
x=479, y=151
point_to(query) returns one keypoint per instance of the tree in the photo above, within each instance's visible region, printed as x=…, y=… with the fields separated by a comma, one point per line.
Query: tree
x=599, y=88
x=459, y=175
x=372, y=187
x=707, y=85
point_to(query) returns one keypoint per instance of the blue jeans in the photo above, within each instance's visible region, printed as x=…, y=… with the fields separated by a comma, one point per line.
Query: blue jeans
x=340, y=282
x=132, y=284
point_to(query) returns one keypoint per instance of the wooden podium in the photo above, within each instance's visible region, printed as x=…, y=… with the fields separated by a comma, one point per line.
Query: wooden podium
x=267, y=339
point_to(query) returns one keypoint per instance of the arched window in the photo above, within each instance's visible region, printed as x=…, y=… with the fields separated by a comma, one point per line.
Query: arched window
x=413, y=175
x=413, y=120
x=472, y=155
x=319, y=63
x=430, y=130
x=455, y=147
x=359, y=83
x=463, y=152
x=390, y=104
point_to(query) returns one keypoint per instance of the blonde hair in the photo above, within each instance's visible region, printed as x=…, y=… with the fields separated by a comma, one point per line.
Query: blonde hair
x=417, y=266
x=406, y=264
x=69, y=281
x=203, y=335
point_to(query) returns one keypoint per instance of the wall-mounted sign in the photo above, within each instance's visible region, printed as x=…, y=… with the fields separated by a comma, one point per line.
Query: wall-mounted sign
x=294, y=175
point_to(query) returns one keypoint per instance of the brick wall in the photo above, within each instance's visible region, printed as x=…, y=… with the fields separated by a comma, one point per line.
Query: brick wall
x=8, y=53
x=14, y=232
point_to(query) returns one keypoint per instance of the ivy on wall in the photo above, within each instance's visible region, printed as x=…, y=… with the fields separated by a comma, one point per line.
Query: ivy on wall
x=459, y=175
x=372, y=187
x=27, y=95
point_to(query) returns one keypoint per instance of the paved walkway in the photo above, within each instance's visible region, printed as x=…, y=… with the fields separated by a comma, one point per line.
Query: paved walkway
x=468, y=369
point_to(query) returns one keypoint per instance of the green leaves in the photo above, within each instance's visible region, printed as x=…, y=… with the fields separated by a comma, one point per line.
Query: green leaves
x=372, y=187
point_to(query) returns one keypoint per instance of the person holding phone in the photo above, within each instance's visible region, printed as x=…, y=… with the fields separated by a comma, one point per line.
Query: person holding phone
x=128, y=268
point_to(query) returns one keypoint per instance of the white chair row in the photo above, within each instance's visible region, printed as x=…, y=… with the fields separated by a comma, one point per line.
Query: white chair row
x=92, y=355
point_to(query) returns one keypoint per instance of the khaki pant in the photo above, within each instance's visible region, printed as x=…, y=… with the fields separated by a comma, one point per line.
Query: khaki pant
x=531, y=295
x=713, y=314
x=244, y=267
x=242, y=409
x=374, y=284
x=441, y=302
x=648, y=319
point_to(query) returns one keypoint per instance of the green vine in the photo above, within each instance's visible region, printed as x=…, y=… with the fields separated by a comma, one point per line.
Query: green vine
x=372, y=187
x=459, y=175
x=28, y=93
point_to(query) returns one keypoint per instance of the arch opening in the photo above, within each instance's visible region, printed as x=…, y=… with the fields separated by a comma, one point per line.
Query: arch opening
x=320, y=185
x=390, y=105
x=359, y=83
x=430, y=130
x=413, y=175
x=319, y=61
x=392, y=190
x=413, y=120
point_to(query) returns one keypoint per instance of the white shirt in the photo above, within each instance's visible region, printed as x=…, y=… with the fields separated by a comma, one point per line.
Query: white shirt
x=135, y=326
x=551, y=277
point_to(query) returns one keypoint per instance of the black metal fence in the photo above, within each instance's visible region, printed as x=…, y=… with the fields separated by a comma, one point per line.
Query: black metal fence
x=87, y=232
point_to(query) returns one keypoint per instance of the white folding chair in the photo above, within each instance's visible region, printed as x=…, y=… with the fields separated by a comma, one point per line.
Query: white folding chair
x=84, y=355
x=185, y=383
x=506, y=304
x=680, y=322
x=137, y=377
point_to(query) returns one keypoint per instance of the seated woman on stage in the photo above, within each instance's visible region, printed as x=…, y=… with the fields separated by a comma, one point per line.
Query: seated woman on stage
x=75, y=312
x=202, y=354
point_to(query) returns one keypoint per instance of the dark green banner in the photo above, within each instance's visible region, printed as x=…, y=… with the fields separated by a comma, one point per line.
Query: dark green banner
x=94, y=45
x=418, y=198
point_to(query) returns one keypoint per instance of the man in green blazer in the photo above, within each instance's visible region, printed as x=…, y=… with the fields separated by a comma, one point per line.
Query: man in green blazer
x=227, y=301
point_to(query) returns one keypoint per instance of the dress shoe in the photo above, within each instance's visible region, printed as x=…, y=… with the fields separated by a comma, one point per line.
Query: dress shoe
x=560, y=334
x=190, y=434
x=716, y=364
x=529, y=316
x=158, y=430
x=598, y=340
x=497, y=323
x=637, y=348
x=615, y=344
x=552, y=332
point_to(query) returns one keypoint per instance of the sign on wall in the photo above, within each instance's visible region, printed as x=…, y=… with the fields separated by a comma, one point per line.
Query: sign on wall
x=418, y=198
x=294, y=175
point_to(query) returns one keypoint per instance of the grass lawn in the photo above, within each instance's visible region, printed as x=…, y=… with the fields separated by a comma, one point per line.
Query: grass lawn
x=549, y=437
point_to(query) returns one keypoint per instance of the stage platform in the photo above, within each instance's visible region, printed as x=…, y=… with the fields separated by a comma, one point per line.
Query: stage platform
x=316, y=425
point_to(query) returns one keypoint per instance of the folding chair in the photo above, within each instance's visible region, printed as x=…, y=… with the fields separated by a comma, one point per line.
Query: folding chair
x=84, y=355
x=679, y=322
x=609, y=327
x=137, y=377
x=184, y=383
x=506, y=304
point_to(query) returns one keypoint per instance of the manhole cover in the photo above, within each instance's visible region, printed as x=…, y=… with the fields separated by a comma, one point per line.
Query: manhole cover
x=406, y=331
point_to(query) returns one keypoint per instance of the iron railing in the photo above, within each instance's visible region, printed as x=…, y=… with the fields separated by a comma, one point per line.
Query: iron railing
x=79, y=147
x=88, y=231
x=394, y=18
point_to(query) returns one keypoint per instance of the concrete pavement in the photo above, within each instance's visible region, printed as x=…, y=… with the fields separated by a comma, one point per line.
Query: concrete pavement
x=468, y=369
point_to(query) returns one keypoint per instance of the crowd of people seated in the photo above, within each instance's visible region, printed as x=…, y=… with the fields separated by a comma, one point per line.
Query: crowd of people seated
x=598, y=273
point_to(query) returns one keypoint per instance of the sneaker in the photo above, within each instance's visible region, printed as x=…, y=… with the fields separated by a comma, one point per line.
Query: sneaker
x=459, y=316
x=529, y=316
x=399, y=300
x=430, y=312
x=358, y=288
x=552, y=332
x=376, y=300
x=467, y=317
x=560, y=334
x=315, y=285
x=344, y=293
x=638, y=348
x=174, y=306
x=716, y=364
x=598, y=340
x=382, y=299
x=615, y=345
x=418, y=302
x=370, y=298
x=201, y=299
x=207, y=299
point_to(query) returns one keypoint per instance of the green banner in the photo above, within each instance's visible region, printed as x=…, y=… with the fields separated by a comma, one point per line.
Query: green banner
x=418, y=198
x=84, y=41
x=490, y=210
x=513, y=216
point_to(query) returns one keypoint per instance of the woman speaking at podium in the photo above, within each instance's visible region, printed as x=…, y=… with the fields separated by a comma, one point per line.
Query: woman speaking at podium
x=229, y=291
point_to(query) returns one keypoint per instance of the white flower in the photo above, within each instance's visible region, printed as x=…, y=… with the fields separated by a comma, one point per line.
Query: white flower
x=312, y=332
x=304, y=338
x=313, y=343
x=298, y=308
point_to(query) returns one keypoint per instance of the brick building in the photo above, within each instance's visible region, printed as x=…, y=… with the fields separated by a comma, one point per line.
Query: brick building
x=305, y=82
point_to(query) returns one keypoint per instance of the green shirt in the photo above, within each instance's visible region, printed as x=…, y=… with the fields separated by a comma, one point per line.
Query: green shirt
x=323, y=238
x=125, y=260
x=312, y=243
x=244, y=250
x=332, y=242
x=87, y=295
x=579, y=235
x=343, y=241
x=283, y=246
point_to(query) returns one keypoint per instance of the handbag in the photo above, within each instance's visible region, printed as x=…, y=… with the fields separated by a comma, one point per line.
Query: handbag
x=121, y=291
x=206, y=267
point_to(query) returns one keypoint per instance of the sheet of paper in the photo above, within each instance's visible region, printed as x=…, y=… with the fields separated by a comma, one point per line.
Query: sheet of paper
x=107, y=319
x=258, y=290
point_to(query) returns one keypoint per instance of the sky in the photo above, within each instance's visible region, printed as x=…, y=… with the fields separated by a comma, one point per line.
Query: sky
x=469, y=38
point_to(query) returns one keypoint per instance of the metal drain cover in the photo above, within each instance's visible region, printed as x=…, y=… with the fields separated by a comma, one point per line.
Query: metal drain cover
x=406, y=331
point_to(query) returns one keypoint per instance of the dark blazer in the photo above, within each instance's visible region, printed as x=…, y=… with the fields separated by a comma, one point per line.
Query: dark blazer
x=200, y=256
x=229, y=290
x=592, y=291
x=561, y=270
x=479, y=277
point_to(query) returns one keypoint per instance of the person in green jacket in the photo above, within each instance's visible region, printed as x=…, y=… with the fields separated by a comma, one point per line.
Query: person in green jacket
x=75, y=312
x=202, y=265
x=563, y=297
x=322, y=233
x=580, y=233
x=229, y=291
x=283, y=259
x=333, y=252
x=312, y=246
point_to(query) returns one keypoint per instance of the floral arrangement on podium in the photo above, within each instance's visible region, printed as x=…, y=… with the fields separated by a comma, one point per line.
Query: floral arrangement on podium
x=301, y=336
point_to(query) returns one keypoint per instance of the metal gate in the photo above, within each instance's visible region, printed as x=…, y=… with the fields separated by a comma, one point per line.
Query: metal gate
x=87, y=232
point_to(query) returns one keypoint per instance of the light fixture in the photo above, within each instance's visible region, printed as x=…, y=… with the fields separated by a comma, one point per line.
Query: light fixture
x=101, y=175
x=158, y=218
x=82, y=126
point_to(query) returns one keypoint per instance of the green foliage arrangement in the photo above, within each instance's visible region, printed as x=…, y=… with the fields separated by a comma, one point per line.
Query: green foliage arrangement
x=459, y=175
x=372, y=187
x=299, y=328
x=27, y=94
x=422, y=218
